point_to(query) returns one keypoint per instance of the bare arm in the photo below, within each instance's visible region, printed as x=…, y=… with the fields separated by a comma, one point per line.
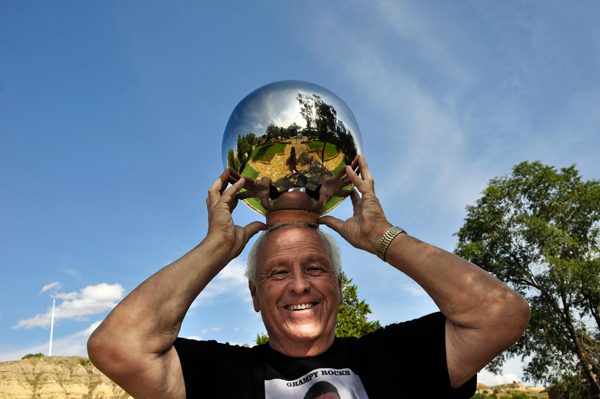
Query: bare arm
x=484, y=316
x=134, y=344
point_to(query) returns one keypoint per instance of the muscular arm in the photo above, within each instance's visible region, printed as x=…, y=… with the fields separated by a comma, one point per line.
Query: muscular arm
x=134, y=344
x=484, y=316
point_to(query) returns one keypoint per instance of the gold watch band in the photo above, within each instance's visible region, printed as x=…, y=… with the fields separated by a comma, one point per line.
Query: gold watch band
x=386, y=240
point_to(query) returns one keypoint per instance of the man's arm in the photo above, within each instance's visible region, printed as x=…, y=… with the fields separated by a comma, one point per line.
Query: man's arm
x=134, y=344
x=484, y=316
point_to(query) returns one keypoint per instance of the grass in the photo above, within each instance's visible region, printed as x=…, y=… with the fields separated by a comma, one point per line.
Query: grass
x=330, y=150
x=265, y=150
x=249, y=171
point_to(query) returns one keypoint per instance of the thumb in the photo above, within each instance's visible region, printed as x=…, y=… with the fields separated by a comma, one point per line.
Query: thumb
x=253, y=228
x=333, y=223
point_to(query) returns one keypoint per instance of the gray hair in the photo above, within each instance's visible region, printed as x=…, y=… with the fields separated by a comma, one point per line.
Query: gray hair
x=330, y=243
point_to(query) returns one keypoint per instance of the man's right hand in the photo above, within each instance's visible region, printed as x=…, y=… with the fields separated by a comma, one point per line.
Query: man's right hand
x=134, y=344
x=221, y=202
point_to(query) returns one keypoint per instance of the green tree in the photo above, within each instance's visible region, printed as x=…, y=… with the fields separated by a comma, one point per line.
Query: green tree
x=232, y=161
x=352, y=316
x=244, y=149
x=326, y=121
x=537, y=229
x=262, y=338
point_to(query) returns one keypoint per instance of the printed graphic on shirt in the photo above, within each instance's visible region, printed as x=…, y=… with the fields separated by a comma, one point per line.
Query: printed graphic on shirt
x=318, y=384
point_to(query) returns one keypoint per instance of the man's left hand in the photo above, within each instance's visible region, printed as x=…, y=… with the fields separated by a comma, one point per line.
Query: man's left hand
x=368, y=224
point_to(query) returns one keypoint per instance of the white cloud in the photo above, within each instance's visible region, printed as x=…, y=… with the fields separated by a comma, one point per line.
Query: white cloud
x=52, y=286
x=195, y=337
x=77, y=305
x=414, y=289
x=230, y=282
x=72, y=345
x=216, y=329
x=88, y=331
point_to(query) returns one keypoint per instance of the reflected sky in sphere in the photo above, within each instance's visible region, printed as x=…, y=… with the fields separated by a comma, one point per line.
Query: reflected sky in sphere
x=293, y=132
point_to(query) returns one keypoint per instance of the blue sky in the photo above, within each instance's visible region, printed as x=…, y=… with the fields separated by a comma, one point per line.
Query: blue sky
x=112, y=115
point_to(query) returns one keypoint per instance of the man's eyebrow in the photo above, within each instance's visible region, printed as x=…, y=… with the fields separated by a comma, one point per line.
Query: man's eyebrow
x=305, y=258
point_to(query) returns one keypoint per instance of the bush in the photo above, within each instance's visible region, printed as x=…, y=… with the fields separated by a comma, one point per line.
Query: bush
x=30, y=355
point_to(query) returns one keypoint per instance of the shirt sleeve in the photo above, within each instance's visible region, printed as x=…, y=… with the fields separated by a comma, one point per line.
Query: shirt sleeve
x=413, y=355
x=214, y=370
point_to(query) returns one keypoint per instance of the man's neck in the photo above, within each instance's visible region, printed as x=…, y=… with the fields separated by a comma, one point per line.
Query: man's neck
x=302, y=349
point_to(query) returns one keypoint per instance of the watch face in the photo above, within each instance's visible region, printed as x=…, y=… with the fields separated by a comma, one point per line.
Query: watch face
x=296, y=134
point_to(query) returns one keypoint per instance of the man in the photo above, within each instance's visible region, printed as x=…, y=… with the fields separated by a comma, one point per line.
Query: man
x=297, y=290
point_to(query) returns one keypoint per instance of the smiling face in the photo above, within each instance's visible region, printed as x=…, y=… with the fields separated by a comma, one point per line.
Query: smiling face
x=297, y=291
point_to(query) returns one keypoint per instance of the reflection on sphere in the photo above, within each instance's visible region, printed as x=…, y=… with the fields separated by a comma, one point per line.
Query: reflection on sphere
x=293, y=132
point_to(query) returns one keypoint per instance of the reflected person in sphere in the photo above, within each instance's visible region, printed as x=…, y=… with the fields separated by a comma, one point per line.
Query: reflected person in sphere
x=265, y=190
x=291, y=162
x=295, y=283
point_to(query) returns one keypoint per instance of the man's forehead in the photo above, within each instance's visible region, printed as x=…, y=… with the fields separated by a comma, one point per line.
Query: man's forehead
x=297, y=237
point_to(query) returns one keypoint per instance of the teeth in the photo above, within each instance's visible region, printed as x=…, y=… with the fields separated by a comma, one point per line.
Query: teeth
x=300, y=307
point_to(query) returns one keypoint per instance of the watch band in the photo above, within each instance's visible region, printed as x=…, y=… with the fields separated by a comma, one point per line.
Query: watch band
x=386, y=240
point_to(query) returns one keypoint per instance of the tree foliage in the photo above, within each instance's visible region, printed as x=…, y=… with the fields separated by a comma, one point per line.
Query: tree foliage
x=537, y=229
x=322, y=123
x=352, y=315
x=30, y=355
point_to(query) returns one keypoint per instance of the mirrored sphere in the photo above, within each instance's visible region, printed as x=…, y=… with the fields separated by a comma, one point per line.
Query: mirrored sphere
x=296, y=134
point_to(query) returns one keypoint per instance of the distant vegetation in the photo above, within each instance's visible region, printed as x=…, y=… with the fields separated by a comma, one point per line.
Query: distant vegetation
x=30, y=355
x=266, y=152
x=330, y=150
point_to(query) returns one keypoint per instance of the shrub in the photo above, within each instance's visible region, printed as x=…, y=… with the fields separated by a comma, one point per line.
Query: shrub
x=30, y=355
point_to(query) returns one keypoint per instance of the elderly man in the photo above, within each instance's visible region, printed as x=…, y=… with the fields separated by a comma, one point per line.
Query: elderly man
x=295, y=282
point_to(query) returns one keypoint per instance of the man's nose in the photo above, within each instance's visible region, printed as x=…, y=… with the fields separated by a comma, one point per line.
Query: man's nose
x=299, y=283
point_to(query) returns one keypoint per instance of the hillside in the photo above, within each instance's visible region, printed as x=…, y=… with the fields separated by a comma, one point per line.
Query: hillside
x=56, y=378
x=507, y=390
x=76, y=378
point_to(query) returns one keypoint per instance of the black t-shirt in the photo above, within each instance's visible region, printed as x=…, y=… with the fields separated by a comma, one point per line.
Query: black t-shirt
x=404, y=360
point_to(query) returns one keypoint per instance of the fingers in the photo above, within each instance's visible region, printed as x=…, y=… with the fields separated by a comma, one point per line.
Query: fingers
x=359, y=183
x=229, y=196
x=341, y=173
x=216, y=190
x=364, y=171
x=355, y=163
x=264, y=201
x=333, y=223
x=321, y=202
x=253, y=228
x=365, y=182
x=354, y=197
x=344, y=193
x=234, y=176
x=243, y=195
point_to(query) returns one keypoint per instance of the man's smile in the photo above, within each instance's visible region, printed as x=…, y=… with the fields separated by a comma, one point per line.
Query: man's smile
x=301, y=306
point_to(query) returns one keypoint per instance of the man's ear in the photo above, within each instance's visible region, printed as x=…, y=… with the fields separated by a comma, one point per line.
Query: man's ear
x=255, y=301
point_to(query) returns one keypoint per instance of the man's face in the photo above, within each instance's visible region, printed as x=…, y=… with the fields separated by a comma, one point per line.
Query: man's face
x=329, y=395
x=297, y=290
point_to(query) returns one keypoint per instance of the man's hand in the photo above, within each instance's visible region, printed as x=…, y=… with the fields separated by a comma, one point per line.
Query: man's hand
x=220, y=203
x=134, y=344
x=333, y=186
x=368, y=224
x=254, y=188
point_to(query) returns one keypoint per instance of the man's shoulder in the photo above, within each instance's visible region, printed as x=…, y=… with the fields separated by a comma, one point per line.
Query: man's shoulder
x=187, y=346
x=431, y=322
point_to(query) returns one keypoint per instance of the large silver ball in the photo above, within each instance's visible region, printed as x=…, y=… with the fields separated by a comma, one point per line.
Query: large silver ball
x=282, y=118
